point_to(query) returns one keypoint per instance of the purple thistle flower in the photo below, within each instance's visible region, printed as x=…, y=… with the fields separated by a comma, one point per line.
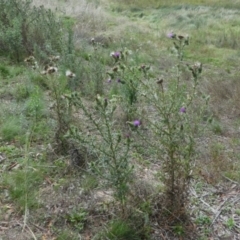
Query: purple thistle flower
x=182, y=110
x=116, y=55
x=109, y=80
x=136, y=123
x=171, y=35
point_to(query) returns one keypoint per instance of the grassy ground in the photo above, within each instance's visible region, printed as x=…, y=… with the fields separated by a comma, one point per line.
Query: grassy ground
x=42, y=197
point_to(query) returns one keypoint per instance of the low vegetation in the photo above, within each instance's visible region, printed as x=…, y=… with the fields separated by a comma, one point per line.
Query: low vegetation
x=119, y=120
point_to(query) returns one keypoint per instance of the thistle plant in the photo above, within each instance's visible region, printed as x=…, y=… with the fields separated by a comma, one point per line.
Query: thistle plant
x=91, y=70
x=108, y=144
x=172, y=130
x=61, y=110
x=179, y=42
x=126, y=79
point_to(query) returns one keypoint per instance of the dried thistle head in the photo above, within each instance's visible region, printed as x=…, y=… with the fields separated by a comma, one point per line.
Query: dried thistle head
x=159, y=81
x=54, y=58
x=29, y=59
x=49, y=70
x=52, y=70
x=70, y=74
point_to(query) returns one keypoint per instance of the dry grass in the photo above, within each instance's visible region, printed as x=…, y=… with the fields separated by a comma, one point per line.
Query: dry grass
x=141, y=4
x=90, y=19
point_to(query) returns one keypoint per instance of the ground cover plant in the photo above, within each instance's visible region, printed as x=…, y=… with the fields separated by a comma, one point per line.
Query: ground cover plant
x=119, y=120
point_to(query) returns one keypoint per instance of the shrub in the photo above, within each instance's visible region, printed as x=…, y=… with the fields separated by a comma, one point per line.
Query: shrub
x=25, y=28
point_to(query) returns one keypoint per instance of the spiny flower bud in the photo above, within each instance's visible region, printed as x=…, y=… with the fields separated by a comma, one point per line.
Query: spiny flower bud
x=51, y=70
x=198, y=66
x=160, y=81
x=115, y=69
x=180, y=37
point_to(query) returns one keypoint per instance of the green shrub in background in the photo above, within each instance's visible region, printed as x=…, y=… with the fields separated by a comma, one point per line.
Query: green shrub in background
x=25, y=28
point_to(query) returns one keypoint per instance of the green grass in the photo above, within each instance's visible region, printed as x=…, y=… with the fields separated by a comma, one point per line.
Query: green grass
x=11, y=129
x=23, y=186
x=119, y=229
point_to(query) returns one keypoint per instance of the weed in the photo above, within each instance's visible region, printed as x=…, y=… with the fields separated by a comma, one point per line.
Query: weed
x=9, y=150
x=203, y=220
x=125, y=78
x=217, y=128
x=119, y=229
x=22, y=92
x=178, y=230
x=17, y=189
x=173, y=132
x=237, y=211
x=112, y=149
x=11, y=129
x=77, y=219
x=89, y=182
x=230, y=223
x=4, y=71
x=61, y=109
x=34, y=105
x=66, y=235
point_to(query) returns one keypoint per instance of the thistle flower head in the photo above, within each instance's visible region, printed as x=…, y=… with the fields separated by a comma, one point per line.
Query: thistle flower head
x=70, y=74
x=159, y=81
x=115, y=55
x=115, y=69
x=182, y=110
x=171, y=35
x=50, y=70
x=35, y=65
x=180, y=37
x=29, y=59
x=198, y=65
x=136, y=123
